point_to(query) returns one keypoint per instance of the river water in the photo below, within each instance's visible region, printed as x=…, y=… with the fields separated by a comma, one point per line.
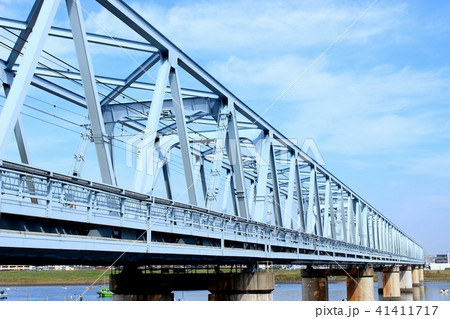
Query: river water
x=283, y=292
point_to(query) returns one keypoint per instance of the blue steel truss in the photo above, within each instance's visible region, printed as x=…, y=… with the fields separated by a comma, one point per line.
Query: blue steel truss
x=251, y=193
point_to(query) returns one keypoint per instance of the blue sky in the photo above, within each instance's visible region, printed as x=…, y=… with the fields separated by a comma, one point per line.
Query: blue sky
x=376, y=104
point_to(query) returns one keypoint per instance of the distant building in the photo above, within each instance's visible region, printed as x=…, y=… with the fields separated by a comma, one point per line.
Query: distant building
x=16, y=267
x=442, y=258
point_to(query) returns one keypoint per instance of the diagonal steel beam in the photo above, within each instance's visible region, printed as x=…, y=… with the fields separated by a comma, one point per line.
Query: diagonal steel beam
x=63, y=33
x=23, y=36
x=90, y=91
x=19, y=87
x=182, y=134
x=136, y=74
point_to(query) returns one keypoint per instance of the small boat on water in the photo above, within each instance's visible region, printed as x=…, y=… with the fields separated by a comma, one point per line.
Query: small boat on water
x=3, y=295
x=105, y=292
x=443, y=291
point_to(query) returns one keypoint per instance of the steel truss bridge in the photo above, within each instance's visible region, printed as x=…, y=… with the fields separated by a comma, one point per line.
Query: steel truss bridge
x=213, y=181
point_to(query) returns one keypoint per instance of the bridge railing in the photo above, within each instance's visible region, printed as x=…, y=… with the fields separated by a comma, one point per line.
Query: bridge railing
x=41, y=194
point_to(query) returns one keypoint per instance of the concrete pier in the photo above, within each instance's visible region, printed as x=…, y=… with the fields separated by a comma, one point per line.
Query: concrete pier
x=418, y=293
x=133, y=285
x=415, y=276
x=380, y=282
x=360, y=284
x=391, y=283
x=314, y=285
x=406, y=279
x=256, y=286
x=421, y=276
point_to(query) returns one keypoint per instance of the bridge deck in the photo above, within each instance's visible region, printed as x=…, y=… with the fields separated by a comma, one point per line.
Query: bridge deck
x=50, y=218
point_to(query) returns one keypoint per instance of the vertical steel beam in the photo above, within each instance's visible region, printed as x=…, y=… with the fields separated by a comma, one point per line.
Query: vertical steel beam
x=314, y=219
x=343, y=215
x=351, y=220
x=310, y=217
x=199, y=175
x=219, y=150
x=300, y=209
x=262, y=167
x=318, y=210
x=21, y=142
x=226, y=192
x=235, y=159
x=364, y=226
x=91, y=94
x=330, y=223
x=22, y=80
x=233, y=196
x=376, y=228
x=276, y=190
x=166, y=174
x=251, y=199
x=203, y=179
x=182, y=134
x=289, y=204
x=144, y=163
x=358, y=222
x=370, y=238
x=381, y=234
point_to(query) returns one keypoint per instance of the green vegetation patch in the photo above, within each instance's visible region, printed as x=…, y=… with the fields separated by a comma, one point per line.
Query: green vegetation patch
x=49, y=277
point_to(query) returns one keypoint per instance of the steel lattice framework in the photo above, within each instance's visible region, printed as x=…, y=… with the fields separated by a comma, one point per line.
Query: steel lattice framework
x=234, y=163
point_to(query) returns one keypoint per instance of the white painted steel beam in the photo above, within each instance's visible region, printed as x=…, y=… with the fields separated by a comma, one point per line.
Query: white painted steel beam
x=133, y=77
x=313, y=205
x=276, y=192
x=289, y=204
x=23, y=36
x=317, y=208
x=262, y=154
x=91, y=37
x=22, y=80
x=351, y=220
x=144, y=164
x=234, y=157
x=358, y=222
x=364, y=227
x=219, y=150
x=329, y=217
x=90, y=90
x=183, y=136
x=300, y=210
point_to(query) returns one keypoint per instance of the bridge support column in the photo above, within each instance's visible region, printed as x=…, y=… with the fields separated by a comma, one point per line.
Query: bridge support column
x=421, y=276
x=406, y=279
x=360, y=284
x=134, y=284
x=418, y=293
x=415, y=276
x=314, y=285
x=380, y=282
x=391, y=283
x=257, y=286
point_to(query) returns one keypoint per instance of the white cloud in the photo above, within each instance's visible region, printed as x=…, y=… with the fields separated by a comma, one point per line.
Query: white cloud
x=434, y=165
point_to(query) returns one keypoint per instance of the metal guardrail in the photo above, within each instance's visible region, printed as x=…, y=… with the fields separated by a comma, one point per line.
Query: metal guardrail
x=43, y=194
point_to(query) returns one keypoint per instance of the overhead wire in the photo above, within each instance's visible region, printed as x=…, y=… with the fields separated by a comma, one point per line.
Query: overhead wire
x=61, y=74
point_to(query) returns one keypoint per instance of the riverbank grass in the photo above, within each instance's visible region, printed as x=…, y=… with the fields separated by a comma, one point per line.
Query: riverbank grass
x=88, y=277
